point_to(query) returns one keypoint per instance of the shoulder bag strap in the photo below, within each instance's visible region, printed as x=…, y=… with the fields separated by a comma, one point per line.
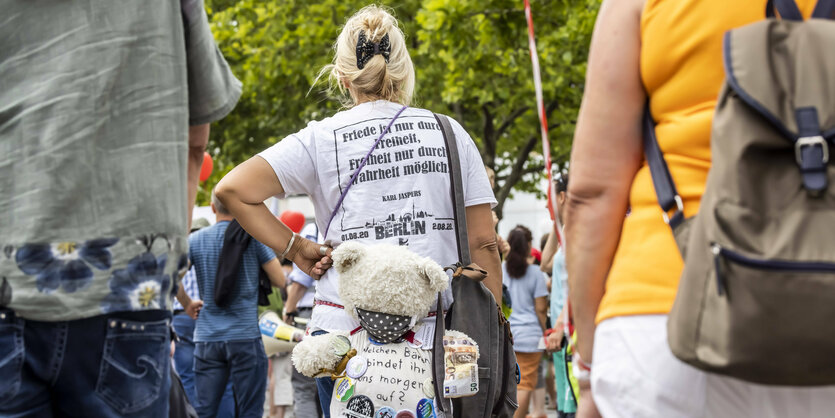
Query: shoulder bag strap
x=357, y=171
x=460, y=219
x=665, y=188
x=456, y=184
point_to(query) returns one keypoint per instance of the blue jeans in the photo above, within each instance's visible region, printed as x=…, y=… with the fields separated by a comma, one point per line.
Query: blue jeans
x=242, y=362
x=184, y=363
x=113, y=365
x=325, y=387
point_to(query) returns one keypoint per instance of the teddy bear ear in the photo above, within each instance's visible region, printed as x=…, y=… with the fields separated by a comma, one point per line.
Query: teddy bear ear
x=346, y=255
x=435, y=275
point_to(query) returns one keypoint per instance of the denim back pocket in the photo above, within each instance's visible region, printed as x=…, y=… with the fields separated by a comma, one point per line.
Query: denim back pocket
x=134, y=363
x=11, y=355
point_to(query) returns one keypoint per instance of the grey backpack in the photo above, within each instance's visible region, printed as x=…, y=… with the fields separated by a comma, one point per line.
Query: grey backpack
x=756, y=299
x=474, y=311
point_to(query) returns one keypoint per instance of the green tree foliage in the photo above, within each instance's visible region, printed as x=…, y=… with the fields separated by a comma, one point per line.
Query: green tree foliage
x=471, y=59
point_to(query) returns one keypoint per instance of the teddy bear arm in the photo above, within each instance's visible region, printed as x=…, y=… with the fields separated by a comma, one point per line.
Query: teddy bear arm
x=313, y=355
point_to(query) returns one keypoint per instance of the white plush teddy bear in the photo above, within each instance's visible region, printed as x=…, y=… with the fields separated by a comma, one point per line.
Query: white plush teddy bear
x=386, y=364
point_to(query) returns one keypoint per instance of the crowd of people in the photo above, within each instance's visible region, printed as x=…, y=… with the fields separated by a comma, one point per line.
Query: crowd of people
x=115, y=303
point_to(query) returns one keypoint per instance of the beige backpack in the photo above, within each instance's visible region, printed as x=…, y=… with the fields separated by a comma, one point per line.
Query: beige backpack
x=756, y=299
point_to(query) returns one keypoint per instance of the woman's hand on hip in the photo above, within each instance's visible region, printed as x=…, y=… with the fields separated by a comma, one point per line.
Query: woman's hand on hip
x=311, y=260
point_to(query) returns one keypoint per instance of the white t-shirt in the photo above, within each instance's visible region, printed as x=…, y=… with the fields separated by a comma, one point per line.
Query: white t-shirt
x=402, y=195
x=311, y=232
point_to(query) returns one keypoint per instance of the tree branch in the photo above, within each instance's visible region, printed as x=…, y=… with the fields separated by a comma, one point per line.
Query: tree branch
x=490, y=138
x=516, y=173
x=509, y=120
x=551, y=107
x=535, y=169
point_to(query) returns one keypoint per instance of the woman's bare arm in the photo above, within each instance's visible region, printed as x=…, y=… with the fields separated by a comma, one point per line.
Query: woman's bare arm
x=483, y=248
x=243, y=192
x=607, y=153
x=548, y=252
x=541, y=308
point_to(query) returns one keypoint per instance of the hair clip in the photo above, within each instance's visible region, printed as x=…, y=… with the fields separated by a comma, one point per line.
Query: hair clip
x=367, y=49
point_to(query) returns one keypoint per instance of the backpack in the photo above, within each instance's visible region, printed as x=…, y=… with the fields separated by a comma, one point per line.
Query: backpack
x=474, y=311
x=756, y=300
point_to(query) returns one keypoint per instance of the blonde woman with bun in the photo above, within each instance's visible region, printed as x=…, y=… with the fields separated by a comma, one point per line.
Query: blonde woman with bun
x=401, y=196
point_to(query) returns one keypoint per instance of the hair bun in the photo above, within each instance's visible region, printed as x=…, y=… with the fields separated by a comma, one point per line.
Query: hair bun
x=391, y=78
x=376, y=24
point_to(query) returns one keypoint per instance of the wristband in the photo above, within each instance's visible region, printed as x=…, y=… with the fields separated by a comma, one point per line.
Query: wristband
x=294, y=248
x=549, y=331
x=581, y=374
x=580, y=363
x=582, y=370
x=291, y=314
x=289, y=245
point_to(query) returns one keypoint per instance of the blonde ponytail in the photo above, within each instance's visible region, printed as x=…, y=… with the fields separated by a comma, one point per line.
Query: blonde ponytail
x=393, y=80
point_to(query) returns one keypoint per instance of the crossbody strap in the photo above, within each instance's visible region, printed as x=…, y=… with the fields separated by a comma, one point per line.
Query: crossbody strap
x=357, y=171
x=665, y=188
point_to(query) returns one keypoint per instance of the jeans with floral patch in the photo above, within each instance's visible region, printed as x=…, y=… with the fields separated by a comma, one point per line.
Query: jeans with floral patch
x=113, y=365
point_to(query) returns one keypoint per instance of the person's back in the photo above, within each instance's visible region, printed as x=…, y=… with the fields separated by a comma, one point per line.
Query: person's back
x=523, y=320
x=228, y=346
x=400, y=197
x=96, y=103
x=624, y=273
x=682, y=70
x=239, y=319
x=529, y=296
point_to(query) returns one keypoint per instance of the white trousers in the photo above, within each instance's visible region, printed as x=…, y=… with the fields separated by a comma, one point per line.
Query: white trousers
x=635, y=374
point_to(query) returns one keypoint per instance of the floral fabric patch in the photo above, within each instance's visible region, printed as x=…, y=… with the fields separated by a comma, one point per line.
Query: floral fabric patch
x=73, y=279
x=139, y=286
x=67, y=265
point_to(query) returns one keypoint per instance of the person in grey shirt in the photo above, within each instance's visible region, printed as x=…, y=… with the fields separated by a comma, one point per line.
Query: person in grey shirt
x=104, y=113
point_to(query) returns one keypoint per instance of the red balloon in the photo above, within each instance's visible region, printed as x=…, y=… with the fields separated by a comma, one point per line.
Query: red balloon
x=294, y=220
x=207, y=167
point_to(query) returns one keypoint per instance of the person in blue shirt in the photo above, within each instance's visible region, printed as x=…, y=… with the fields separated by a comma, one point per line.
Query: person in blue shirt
x=184, y=327
x=227, y=339
x=529, y=294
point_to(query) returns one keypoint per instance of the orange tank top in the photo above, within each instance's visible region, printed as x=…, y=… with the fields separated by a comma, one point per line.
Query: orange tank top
x=681, y=68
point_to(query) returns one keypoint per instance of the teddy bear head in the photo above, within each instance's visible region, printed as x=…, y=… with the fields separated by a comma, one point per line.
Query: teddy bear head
x=387, y=279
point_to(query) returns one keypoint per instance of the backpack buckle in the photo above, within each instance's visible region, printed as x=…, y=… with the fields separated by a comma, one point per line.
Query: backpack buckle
x=810, y=141
x=812, y=155
x=679, y=210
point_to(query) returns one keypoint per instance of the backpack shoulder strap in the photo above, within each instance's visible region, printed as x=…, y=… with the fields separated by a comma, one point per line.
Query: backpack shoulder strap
x=665, y=188
x=456, y=185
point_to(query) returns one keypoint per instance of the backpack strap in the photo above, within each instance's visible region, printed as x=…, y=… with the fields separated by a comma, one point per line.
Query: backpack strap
x=824, y=9
x=789, y=11
x=787, y=8
x=665, y=188
x=357, y=171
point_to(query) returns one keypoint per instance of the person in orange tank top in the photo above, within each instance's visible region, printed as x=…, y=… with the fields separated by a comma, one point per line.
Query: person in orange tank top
x=623, y=270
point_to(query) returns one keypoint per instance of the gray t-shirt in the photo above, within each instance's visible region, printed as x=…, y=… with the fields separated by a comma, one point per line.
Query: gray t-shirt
x=524, y=324
x=95, y=102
